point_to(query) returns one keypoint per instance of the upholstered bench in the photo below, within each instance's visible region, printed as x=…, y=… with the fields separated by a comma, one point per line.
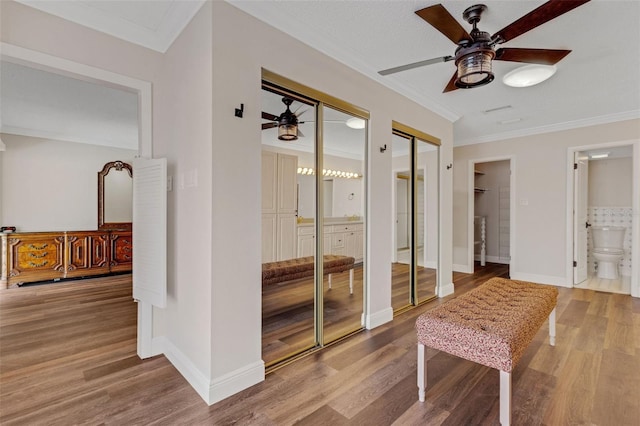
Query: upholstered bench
x=302, y=267
x=492, y=325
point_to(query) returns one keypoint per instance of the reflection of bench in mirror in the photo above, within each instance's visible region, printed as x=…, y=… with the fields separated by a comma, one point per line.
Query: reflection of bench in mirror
x=303, y=267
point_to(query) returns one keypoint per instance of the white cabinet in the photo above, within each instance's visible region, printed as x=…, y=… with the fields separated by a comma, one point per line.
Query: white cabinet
x=279, y=206
x=339, y=239
x=348, y=240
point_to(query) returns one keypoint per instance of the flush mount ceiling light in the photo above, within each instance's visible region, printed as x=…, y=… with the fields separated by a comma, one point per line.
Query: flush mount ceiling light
x=529, y=75
x=356, y=123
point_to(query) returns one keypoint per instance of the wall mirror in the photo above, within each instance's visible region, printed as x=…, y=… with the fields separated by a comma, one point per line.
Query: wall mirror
x=115, y=196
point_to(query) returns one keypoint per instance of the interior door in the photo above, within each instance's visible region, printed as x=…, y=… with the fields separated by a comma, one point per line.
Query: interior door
x=150, y=231
x=580, y=219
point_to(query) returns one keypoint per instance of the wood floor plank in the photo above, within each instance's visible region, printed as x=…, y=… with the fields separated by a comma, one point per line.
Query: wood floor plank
x=57, y=370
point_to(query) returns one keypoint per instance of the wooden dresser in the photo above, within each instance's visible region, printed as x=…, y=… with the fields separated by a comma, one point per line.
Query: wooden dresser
x=43, y=256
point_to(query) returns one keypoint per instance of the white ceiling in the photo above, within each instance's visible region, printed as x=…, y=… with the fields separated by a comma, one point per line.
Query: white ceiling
x=51, y=106
x=597, y=83
x=150, y=23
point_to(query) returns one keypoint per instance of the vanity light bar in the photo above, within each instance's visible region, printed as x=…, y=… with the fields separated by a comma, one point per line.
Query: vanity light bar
x=329, y=173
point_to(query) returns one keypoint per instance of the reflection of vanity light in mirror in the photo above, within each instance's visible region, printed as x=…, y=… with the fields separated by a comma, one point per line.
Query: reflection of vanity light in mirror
x=329, y=173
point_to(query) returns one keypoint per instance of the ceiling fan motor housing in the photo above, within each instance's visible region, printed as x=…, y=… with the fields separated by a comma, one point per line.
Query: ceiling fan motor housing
x=287, y=123
x=474, y=61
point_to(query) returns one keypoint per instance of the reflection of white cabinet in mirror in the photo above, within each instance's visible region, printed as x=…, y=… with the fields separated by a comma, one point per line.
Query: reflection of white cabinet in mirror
x=341, y=238
x=279, y=206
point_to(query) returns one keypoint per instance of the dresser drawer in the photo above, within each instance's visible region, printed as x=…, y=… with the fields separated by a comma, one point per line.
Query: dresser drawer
x=347, y=227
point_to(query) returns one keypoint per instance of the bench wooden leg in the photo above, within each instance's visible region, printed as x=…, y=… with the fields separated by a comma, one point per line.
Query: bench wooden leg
x=329, y=281
x=505, y=398
x=552, y=327
x=422, y=373
x=351, y=281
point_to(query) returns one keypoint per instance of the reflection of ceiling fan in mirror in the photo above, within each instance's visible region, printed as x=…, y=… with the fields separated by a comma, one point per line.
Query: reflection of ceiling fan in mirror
x=287, y=122
x=476, y=50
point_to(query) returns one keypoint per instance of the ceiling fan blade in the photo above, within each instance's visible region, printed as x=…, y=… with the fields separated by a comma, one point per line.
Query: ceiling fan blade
x=268, y=116
x=298, y=115
x=450, y=85
x=442, y=21
x=532, y=56
x=415, y=65
x=548, y=11
x=269, y=125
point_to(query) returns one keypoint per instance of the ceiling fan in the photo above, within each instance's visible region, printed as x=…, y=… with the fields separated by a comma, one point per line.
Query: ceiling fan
x=287, y=122
x=476, y=50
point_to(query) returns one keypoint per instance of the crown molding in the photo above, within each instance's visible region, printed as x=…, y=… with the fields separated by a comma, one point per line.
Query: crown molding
x=575, y=124
x=160, y=38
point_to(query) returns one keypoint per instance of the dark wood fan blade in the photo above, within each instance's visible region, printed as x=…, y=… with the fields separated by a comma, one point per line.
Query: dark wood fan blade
x=269, y=125
x=268, y=116
x=548, y=11
x=415, y=65
x=532, y=56
x=450, y=85
x=442, y=21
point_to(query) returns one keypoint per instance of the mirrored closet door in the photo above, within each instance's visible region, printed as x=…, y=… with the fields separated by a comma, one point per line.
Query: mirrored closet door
x=313, y=221
x=415, y=180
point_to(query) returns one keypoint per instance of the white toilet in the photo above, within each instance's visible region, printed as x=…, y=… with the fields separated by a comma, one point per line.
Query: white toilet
x=607, y=249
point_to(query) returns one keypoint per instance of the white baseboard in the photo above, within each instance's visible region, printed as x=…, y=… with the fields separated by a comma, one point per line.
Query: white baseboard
x=183, y=364
x=446, y=290
x=378, y=318
x=540, y=279
x=462, y=268
x=494, y=259
x=235, y=381
x=211, y=391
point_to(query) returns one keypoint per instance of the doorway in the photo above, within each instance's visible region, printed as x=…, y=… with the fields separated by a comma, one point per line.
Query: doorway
x=26, y=57
x=491, y=212
x=603, y=185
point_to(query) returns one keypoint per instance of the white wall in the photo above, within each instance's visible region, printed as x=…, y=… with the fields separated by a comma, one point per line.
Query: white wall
x=211, y=328
x=238, y=60
x=50, y=185
x=540, y=168
x=610, y=182
x=183, y=134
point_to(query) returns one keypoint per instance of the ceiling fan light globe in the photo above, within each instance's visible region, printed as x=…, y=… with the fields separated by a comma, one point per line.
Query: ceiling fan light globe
x=529, y=75
x=474, y=69
x=356, y=123
x=288, y=132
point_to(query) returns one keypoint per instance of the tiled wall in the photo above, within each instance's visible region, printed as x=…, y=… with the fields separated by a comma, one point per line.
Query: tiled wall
x=612, y=216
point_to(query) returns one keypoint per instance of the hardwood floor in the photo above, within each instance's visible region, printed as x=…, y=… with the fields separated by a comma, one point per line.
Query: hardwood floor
x=67, y=356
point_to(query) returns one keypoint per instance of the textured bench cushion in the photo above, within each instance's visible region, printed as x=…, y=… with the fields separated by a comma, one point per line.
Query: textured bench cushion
x=492, y=324
x=301, y=267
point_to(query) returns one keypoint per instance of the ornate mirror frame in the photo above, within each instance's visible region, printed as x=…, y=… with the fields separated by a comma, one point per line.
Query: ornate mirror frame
x=119, y=166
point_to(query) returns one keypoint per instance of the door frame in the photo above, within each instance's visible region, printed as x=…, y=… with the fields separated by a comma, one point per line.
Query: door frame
x=31, y=58
x=471, y=209
x=635, y=200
